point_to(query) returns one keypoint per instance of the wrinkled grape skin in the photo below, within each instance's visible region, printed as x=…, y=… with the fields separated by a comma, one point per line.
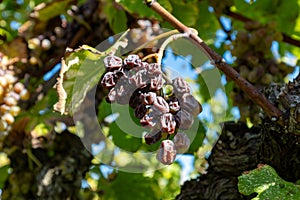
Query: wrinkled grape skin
x=190, y=104
x=148, y=98
x=184, y=119
x=153, y=137
x=168, y=123
x=166, y=153
x=112, y=63
x=160, y=105
x=181, y=142
x=108, y=80
x=180, y=86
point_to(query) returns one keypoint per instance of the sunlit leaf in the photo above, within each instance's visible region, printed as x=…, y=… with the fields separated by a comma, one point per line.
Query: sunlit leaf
x=267, y=184
x=46, y=11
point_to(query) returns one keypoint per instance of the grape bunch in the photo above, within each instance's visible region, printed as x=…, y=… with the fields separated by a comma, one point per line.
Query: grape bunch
x=162, y=106
x=11, y=91
x=256, y=63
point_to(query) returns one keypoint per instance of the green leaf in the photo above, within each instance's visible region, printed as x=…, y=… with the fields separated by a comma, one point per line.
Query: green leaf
x=197, y=134
x=3, y=175
x=104, y=109
x=270, y=10
x=139, y=8
x=209, y=81
x=81, y=70
x=207, y=23
x=47, y=11
x=129, y=186
x=117, y=18
x=186, y=12
x=126, y=134
x=267, y=184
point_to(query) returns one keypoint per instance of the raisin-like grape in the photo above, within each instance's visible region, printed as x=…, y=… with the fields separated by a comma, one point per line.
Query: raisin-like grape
x=132, y=61
x=113, y=63
x=180, y=86
x=156, y=82
x=168, y=123
x=112, y=95
x=148, y=98
x=153, y=137
x=108, y=80
x=166, y=153
x=140, y=111
x=160, y=105
x=189, y=103
x=184, y=119
x=174, y=106
x=139, y=80
x=182, y=142
x=149, y=120
x=153, y=68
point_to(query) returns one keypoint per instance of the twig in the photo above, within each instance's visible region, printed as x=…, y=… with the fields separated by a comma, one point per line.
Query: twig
x=219, y=62
x=156, y=38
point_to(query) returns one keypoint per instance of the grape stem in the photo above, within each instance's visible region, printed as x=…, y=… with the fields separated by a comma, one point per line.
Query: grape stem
x=217, y=60
x=165, y=44
x=156, y=38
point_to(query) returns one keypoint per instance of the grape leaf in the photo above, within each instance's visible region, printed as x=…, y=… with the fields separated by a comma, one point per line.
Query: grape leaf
x=268, y=10
x=197, y=134
x=46, y=11
x=124, y=140
x=117, y=19
x=267, y=184
x=4, y=171
x=138, y=7
x=186, y=12
x=81, y=71
x=128, y=186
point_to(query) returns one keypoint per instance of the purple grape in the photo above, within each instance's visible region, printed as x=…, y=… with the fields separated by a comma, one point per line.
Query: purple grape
x=140, y=111
x=184, y=119
x=189, y=103
x=148, y=98
x=132, y=61
x=166, y=153
x=113, y=63
x=153, y=137
x=168, y=123
x=160, y=105
x=108, y=80
x=180, y=86
x=156, y=82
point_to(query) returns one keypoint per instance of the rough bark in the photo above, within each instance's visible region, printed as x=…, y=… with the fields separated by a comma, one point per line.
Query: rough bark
x=240, y=149
x=234, y=152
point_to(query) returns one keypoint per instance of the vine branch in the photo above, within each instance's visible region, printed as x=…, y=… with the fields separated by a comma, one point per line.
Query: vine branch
x=217, y=60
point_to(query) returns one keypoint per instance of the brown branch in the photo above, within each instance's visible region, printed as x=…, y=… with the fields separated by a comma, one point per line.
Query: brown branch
x=219, y=62
x=286, y=38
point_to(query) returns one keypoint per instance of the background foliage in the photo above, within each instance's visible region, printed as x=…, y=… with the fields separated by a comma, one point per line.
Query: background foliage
x=264, y=36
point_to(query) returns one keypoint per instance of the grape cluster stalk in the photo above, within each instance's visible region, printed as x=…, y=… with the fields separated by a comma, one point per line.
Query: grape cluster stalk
x=165, y=107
